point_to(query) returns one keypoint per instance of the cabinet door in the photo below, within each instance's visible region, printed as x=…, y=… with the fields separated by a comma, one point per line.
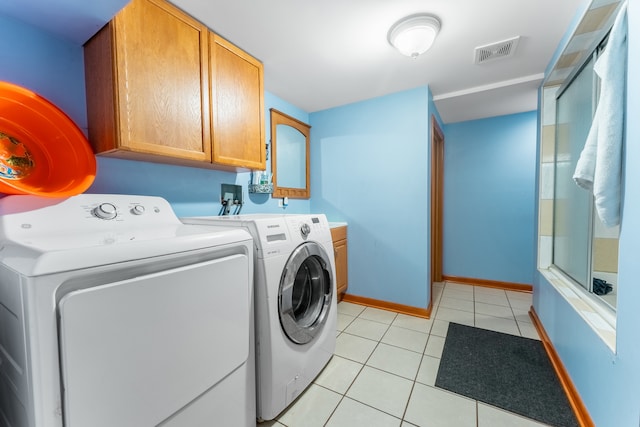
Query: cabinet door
x=162, y=81
x=237, y=104
x=339, y=237
x=340, y=251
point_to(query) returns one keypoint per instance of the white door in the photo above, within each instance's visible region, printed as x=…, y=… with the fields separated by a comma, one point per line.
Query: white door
x=136, y=351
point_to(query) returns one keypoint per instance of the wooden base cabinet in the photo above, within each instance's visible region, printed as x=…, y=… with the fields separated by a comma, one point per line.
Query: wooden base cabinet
x=339, y=237
x=159, y=89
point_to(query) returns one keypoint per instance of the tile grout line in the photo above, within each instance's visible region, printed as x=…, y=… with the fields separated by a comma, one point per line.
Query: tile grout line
x=415, y=378
x=514, y=317
x=429, y=334
x=413, y=381
x=344, y=395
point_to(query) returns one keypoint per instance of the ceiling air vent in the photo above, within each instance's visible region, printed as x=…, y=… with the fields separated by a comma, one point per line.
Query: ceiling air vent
x=498, y=50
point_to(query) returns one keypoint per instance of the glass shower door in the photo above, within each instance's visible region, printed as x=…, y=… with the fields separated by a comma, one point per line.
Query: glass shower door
x=573, y=205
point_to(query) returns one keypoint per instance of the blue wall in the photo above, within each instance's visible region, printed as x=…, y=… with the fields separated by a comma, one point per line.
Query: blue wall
x=370, y=167
x=193, y=191
x=609, y=383
x=54, y=68
x=489, y=209
x=50, y=66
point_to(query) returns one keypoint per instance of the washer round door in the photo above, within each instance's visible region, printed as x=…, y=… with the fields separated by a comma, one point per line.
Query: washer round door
x=306, y=289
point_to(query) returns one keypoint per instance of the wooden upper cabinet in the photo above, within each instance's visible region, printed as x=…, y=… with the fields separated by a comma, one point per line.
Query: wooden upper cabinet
x=147, y=84
x=150, y=94
x=237, y=106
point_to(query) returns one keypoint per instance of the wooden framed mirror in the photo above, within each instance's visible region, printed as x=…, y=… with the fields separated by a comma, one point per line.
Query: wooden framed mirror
x=289, y=156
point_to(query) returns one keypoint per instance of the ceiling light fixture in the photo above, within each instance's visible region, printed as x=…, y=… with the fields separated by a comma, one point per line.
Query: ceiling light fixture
x=414, y=35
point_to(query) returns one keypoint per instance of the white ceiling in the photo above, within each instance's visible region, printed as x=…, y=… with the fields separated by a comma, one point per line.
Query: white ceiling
x=319, y=54
x=74, y=20
x=322, y=54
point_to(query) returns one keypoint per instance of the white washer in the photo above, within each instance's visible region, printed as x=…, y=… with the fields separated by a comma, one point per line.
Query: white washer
x=295, y=302
x=114, y=313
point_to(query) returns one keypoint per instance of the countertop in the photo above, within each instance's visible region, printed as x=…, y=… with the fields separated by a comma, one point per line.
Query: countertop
x=337, y=224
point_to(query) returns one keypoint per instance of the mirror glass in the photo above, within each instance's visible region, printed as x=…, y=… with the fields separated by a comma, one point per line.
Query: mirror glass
x=289, y=156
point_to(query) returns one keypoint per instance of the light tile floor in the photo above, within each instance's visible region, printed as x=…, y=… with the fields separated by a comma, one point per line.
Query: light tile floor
x=385, y=365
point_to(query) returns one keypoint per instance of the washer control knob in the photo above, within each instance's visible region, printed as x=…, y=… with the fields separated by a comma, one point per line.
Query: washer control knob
x=305, y=230
x=137, y=210
x=105, y=211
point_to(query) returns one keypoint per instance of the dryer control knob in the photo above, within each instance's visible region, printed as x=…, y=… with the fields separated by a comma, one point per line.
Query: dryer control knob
x=105, y=211
x=137, y=210
x=305, y=230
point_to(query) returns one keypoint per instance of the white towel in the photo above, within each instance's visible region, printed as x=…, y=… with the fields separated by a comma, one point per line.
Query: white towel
x=599, y=167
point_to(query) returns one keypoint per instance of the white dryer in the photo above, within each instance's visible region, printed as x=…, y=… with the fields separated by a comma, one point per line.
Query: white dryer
x=114, y=313
x=295, y=302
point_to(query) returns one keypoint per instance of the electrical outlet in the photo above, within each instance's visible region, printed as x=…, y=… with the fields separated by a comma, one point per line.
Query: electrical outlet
x=280, y=203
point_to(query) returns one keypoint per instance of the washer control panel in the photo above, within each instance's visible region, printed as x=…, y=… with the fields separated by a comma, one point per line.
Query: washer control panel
x=314, y=227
